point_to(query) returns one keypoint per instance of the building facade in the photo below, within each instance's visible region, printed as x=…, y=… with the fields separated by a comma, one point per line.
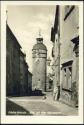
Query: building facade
x=39, y=54
x=67, y=34
x=26, y=78
x=55, y=37
x=12, y=64
x=29, y=83
x=49, y=76
x=23, y=75
x=17, y=74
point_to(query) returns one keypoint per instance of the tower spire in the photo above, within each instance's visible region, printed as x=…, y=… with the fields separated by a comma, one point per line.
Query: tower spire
x=6, y=16
x=39, y=32
x=39, y=39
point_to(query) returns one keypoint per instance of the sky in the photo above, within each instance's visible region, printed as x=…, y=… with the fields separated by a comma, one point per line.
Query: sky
x=25, y=22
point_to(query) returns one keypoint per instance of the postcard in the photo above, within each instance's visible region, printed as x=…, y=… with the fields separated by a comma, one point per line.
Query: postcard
x=42, y=62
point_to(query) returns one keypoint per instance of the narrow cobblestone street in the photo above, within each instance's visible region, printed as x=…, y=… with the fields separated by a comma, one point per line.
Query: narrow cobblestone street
x=35, y=105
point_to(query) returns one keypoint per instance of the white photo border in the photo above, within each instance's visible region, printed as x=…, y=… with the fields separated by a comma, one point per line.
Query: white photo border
x=39, y=119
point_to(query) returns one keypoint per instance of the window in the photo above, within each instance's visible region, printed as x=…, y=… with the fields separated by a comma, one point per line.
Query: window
x=67, y=75
x=67, y=78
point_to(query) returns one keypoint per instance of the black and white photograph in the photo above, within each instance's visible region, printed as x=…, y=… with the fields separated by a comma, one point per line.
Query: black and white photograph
x=43, y=49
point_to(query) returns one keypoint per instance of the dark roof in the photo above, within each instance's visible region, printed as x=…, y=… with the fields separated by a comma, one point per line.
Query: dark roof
x=29, y=72
x=39, y=46
x=69, y=62
x=56, y=23
x=52, y=35
x=10, y=31
x=54, y=29
x=22, y=53
x=75, y=40
x=26, y=64
x=69, y=12
x=39, y=39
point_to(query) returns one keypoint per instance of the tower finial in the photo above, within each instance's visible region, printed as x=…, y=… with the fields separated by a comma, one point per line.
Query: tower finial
x=39, y=32
x=6, y=16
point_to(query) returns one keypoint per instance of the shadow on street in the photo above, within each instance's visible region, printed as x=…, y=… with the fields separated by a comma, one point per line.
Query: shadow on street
x=15, y=109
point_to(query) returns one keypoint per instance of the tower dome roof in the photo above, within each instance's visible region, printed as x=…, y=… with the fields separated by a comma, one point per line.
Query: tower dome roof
x=39, y=46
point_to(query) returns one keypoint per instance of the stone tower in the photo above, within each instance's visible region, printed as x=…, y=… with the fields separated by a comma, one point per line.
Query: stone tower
x=39, y=55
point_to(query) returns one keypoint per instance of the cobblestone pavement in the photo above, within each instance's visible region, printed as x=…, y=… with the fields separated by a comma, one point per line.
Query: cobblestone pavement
x=37, y=106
